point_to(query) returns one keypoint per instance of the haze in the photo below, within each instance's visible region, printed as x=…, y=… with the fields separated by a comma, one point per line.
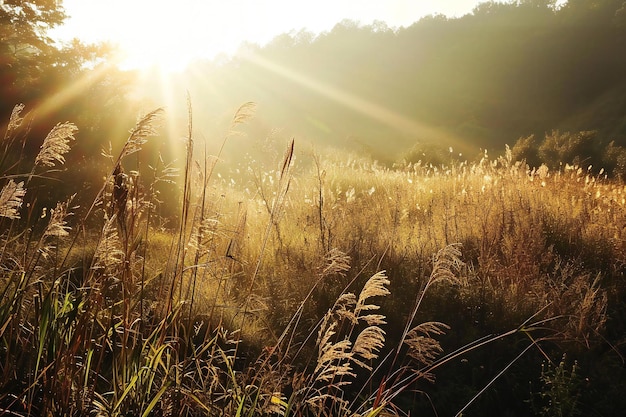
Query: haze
x=156, y=33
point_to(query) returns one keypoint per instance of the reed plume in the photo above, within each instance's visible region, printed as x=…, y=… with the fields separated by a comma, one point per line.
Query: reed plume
x=11, y=198
x=336, y=262
x=337, y=353
x=56, y=145
x=422, y=346
x=445, y=262
x=15, y=121
x=244, y=113
x=367, y=345
x=57, y=226
x=334, y=357
x=374, y=287
x=144, y=128
x=344, y=307
x=108, y=252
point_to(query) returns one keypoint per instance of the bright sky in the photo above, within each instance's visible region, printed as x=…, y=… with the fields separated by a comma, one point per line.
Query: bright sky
x=171, y=33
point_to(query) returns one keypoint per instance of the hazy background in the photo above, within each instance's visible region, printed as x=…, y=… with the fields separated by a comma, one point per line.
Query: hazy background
x=482, y=77
x=482, y=80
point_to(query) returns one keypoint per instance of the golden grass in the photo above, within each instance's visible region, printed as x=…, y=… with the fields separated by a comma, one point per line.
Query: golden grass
x=218, y=313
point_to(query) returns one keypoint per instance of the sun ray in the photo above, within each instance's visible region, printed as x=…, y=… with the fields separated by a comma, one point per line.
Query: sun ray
x=388, y=117
x=79, y=86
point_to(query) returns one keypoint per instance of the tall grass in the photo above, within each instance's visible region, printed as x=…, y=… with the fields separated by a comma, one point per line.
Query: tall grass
x=285, y=292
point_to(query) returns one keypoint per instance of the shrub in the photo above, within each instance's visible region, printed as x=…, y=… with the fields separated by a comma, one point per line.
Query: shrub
x=573, y=148
x=525, y=149
x=614, y=160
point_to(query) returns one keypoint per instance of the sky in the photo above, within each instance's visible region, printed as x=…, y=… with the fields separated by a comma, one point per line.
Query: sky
x=171, y=33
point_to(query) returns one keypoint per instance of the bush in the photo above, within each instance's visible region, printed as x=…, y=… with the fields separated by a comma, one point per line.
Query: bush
x=434, y=154
x=614, y=160
x=572, y=148
x=525, y=149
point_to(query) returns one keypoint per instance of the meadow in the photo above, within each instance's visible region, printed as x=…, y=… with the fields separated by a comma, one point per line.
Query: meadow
x=315, y=284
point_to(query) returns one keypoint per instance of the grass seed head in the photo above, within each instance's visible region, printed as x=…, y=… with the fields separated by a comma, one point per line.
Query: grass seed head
x=57, y=226
x=11, y=198
x=368, y=344
x=56, y=145
x=375, y=286
x=15, y=121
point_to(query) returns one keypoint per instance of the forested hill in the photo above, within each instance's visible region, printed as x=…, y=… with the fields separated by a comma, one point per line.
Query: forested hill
x=504, y=71
x=483, y=80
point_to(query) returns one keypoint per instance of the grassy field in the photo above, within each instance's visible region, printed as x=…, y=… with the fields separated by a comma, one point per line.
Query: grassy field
x=317, y=285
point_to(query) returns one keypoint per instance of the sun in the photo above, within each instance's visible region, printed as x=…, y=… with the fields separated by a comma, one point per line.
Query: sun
x=153, y=34
x=161, y=54
x=168, y=38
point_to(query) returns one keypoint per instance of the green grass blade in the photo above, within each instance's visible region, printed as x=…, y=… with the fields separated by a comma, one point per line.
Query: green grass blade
x=155, y=400
x=129, y=387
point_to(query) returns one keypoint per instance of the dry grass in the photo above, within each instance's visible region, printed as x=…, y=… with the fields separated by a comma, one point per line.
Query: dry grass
x=248, y=304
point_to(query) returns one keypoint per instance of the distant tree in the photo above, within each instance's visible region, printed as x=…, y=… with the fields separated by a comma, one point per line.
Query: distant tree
x=572, y=148
x=510, y=69
x=614, y=160
x=525, y=149
x=24, y=26
x=55, y=83
x=539, y=4
x=491, y=7
x=26, y=51
x=435, y=154
x=33, y=67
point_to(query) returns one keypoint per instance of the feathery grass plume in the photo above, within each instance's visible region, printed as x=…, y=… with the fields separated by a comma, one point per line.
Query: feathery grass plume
x=592, y=313
x=422, y=346
x=344, y=307
x=57, y=226
x=374, y=319
x=56, y=144
x=244, y=113
x=11, y=198
x=15, y=121
x=334, y=358
x=108, y=253
x=144, y=128
x=375, y=286
x=445, y=262
x=582, y=301
x=367, y=345
x=336, y=262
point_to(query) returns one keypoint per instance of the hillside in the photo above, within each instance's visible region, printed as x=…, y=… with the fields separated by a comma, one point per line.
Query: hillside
x=479, y=81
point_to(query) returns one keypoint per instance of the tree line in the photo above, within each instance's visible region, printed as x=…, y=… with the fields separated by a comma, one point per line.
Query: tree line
x=503, y=72
x=506, y=71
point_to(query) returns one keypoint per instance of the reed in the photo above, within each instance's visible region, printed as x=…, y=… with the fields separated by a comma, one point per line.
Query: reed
x=311, y=293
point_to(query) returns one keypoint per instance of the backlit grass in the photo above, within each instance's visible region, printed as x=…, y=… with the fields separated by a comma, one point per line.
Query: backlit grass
x=318, y=286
